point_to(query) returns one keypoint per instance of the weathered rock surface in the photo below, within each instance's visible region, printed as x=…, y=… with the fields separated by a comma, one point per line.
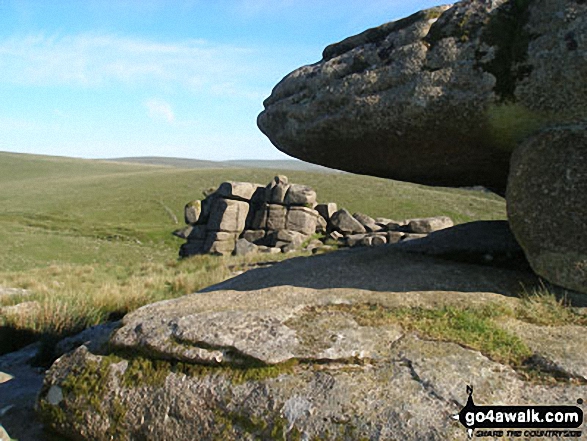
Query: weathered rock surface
x=285, y=216
x=192, y=211
x=441, y=97
x=429, y=225
x=547, y=204
x=285, y=355
x=344, y=223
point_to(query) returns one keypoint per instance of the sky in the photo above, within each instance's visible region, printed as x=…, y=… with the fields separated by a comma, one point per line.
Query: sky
x=176, y=78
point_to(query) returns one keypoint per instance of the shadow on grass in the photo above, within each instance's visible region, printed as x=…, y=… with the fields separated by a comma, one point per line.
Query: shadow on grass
x=14, y=339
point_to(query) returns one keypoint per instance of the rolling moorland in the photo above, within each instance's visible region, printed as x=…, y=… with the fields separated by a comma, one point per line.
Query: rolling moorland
x=91, y=240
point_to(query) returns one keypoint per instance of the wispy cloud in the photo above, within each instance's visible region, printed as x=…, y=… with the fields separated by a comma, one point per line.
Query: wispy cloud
x=160, y=110
x=91, y=60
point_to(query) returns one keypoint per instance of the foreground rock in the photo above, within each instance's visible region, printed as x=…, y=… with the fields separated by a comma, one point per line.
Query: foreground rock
x=303, y=350
x=547, y=204
x=441, y=97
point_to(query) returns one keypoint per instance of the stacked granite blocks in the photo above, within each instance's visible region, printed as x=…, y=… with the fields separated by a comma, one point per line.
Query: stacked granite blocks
x=242, y=218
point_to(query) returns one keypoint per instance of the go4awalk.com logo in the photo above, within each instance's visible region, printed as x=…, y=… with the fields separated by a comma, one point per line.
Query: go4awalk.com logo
x=520, y=421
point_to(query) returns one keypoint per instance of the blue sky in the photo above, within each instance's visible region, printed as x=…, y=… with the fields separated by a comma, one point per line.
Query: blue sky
x=182, y=78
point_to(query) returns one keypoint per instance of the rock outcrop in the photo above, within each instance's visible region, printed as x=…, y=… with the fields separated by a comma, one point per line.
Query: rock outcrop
x=547, y=204
x=307, y=349
x=241, y=218
x=444, y=97
x=441, y=97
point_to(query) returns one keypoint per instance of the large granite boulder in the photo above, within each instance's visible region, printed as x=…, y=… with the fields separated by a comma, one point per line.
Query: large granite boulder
x=441, y=97
x=547, y=204
x=307, y=349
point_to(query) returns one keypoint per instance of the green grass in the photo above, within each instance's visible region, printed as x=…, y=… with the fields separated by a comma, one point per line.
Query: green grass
x=92, y=239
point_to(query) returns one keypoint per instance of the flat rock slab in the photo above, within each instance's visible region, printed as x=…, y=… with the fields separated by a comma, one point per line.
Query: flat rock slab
x=274, y=325
x=286, y=354
x=411, y=395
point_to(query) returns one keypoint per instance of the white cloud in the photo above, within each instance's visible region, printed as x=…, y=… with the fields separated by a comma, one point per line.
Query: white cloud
x=91, y=60
x=160, y=110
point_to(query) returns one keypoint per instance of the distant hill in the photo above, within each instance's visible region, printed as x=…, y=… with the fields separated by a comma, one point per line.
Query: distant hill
x=186, y=163
x=169, y=162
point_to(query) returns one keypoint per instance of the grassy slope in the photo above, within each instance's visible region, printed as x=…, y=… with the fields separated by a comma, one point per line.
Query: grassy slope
x=92, y=238
x=76, y=211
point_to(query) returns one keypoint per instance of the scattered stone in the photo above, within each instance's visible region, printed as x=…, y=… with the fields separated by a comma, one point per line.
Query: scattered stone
x=290, y=236
x=429, y=224
x=270, y=250
x=355, y=239
x=378, y=239
x=343, y=222
x=24, y=309
x=367, y=222
x=335, y=235
x=313, y=244
x=254, y=236
x=13, y=292
x=395, y=236
x=244, y=247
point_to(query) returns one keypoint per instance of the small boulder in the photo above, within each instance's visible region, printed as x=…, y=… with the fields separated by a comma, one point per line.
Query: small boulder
x=395, y=236
x=253, y=236
x=343, y=222
x=429, y=224
x=244, y=247
x=367, y=221
x=355, y=239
